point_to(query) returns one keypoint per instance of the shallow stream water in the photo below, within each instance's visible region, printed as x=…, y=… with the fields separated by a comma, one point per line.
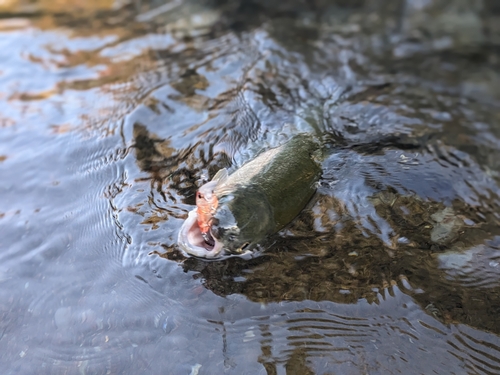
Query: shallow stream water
x=112, y=113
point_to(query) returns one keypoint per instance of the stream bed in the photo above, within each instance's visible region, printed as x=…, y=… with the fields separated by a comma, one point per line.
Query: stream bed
x=113, y=113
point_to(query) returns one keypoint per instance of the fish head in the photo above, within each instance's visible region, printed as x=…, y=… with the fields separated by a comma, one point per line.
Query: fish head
x=223, y=238
x=206, y=204
x=194, y=242
x=226, y=230
x=205, y=193
x=241, y=220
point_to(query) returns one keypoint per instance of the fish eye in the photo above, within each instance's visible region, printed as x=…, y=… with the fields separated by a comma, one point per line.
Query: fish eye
x=199, y=195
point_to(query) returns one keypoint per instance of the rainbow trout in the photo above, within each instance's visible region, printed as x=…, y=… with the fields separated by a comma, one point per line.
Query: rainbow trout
x=234, y=212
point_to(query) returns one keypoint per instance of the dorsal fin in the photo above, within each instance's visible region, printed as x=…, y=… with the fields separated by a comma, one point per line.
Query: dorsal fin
x=221, y=176
x=222, y=188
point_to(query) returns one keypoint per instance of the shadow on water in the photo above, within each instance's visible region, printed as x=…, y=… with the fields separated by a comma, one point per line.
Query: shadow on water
x=113, y=113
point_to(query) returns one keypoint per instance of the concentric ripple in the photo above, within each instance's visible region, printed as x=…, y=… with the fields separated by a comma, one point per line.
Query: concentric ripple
x=112, y=113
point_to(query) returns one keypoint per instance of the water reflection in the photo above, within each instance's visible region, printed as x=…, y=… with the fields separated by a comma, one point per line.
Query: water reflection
x=113, y=113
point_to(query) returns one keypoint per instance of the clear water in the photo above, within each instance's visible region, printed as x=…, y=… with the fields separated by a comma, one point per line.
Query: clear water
x=111, y=115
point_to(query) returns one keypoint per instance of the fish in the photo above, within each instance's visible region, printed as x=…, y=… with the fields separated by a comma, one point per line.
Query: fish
x=234, y=212
x=207, y=202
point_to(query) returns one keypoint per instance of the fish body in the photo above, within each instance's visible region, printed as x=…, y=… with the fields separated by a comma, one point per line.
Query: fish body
x=255, y=201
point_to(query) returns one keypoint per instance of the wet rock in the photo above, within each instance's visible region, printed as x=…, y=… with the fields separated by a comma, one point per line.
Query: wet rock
x=447, y=226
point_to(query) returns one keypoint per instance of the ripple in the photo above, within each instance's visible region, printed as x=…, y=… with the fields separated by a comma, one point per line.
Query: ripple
x=92, y=323
x=409, y=193
x=386, y=336
x=384, y=194
x=479, y=351
x=477, y=267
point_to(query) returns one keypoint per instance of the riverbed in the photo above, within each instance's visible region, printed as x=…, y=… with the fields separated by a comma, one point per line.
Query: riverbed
x=113, y=113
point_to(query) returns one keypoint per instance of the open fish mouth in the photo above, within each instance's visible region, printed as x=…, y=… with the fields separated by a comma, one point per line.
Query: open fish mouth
x=193, y=242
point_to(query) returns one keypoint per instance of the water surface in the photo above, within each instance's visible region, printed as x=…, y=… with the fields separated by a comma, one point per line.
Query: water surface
x=113, y=113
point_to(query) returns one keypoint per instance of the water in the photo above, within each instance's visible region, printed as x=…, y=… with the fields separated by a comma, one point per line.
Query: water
x=111, y=115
